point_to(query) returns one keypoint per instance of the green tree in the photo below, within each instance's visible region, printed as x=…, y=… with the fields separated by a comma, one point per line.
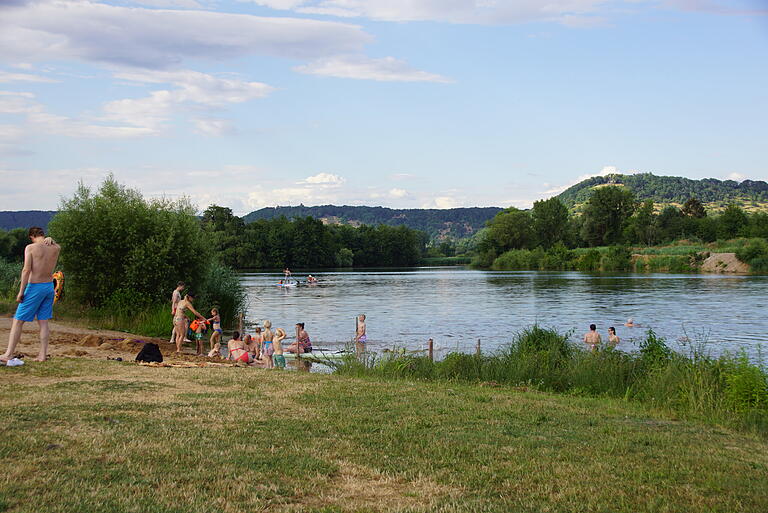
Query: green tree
x=605, y=215
x=693, y=208
x=550, y=221
x=510, y=229
x=115, y=242
x=733, y=222
x=641, y=227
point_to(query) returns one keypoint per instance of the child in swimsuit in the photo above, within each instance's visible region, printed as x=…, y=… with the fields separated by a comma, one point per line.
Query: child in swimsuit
x=267, y=336
x=216, y=320
x=277, y=347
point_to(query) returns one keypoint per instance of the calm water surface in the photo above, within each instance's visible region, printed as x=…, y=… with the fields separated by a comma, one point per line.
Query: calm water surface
x=455, y=307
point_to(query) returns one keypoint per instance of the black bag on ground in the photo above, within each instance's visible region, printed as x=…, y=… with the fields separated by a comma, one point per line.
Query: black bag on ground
x=150, y=353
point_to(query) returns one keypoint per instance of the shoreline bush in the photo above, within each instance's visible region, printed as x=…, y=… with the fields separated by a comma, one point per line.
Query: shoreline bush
x=729, y=389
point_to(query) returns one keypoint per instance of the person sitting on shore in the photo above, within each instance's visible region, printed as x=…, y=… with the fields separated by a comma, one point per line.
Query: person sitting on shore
x=215, y=351
x=592, y=338
x=237, y=350
x=258, y=340
x=613, y=340
x=303, y=343
x=277, y=349
x=252, y=346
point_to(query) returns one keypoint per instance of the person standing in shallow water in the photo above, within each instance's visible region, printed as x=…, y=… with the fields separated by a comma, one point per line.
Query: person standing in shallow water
x=36, y=291
x=613, y=339
x=592, y=338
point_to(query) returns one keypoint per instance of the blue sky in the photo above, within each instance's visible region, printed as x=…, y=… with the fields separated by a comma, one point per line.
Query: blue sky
x=401, y=103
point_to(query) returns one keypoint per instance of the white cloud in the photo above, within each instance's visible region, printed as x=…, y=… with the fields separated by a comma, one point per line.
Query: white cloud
x=323, y=179
x=737, y=177
x=484, y=12
x=193, y=88
x=387, y=69
x=214, y=127
x=187, y=4
x=156, y=38
x=38, y=120
x=722, y=7
x=23, y=77
x=397, y=193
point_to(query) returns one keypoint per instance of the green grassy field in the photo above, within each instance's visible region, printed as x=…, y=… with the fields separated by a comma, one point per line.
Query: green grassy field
x=84, y=435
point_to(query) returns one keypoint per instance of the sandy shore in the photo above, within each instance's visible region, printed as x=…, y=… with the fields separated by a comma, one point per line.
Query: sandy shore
x=70, y=340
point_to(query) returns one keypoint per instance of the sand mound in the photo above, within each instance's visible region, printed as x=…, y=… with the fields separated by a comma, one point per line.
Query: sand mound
x=724, y=263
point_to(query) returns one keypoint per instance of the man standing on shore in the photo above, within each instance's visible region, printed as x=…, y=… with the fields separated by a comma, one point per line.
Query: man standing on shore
x=36, y=291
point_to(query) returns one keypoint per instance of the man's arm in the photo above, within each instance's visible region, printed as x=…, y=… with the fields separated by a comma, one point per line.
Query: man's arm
x=26, y=271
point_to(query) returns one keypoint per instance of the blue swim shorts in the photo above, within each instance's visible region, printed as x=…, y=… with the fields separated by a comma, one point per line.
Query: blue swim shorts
x=38, y=302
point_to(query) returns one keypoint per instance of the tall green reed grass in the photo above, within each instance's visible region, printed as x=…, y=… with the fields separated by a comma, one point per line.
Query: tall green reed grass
x=729, y=389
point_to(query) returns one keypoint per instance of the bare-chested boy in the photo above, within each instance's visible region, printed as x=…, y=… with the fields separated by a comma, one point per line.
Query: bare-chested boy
x=360, y=336
x=36, y=292
x=592, y=338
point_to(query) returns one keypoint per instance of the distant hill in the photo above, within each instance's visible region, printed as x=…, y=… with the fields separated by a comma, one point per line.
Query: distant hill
x=25, y=218
x=675, y=190
x=437, y=223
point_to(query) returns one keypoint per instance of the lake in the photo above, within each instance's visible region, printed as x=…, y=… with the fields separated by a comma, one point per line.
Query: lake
x=457, y=306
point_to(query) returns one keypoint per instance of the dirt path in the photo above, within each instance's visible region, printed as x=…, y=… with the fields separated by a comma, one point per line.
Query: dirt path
x=69, y=340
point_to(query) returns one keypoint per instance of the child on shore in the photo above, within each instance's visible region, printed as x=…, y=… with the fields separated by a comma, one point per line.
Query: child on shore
x=216, y=320
x=277, y=348
x=215, y=351
x=197, y=326
x=267, y=336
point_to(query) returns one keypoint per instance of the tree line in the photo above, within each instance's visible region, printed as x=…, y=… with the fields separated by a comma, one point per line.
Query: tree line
x=612, y=216
x=306, y=242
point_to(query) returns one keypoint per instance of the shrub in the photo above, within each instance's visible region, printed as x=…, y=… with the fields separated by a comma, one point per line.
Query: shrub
x=618, y=258
x=589, y=261
x=221, y=288
x=746, y=385
x=115, y=240
x=9, y=278
x=654, y=351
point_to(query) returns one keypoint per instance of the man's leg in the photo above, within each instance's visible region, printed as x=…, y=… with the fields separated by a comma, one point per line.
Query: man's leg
x=45, y=333
x=13, y=340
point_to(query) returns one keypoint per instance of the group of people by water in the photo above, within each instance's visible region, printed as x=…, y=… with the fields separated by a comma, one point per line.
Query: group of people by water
x=594, y=341
x=262, y=348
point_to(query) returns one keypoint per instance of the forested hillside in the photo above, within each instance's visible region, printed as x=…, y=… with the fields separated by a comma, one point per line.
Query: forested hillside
x=437, y=223
x=25, y=218
x=668, y=190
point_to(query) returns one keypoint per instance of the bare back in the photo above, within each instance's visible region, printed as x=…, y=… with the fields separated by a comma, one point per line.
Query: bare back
x=40, y=259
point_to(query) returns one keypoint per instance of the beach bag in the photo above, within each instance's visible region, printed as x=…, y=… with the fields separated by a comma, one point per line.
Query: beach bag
x=150, y=353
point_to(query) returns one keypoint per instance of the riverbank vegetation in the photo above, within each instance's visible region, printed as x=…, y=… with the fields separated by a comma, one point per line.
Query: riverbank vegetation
x=728, y=390
x=114, y=436
x=306, y=242
x=616, y=233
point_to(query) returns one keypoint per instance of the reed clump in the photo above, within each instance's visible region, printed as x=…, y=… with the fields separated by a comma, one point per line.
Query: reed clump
x=729, y=389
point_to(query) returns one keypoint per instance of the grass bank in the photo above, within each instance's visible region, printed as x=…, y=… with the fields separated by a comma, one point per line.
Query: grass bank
x=85, y=435
x=729, y=390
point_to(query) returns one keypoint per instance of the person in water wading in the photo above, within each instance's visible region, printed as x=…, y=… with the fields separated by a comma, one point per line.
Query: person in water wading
x=36, y=291
x=592, y=338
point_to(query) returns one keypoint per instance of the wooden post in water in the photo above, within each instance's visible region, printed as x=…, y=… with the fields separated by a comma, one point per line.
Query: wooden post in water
x=477, y=349
x=430, y=347
x=240, y=324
